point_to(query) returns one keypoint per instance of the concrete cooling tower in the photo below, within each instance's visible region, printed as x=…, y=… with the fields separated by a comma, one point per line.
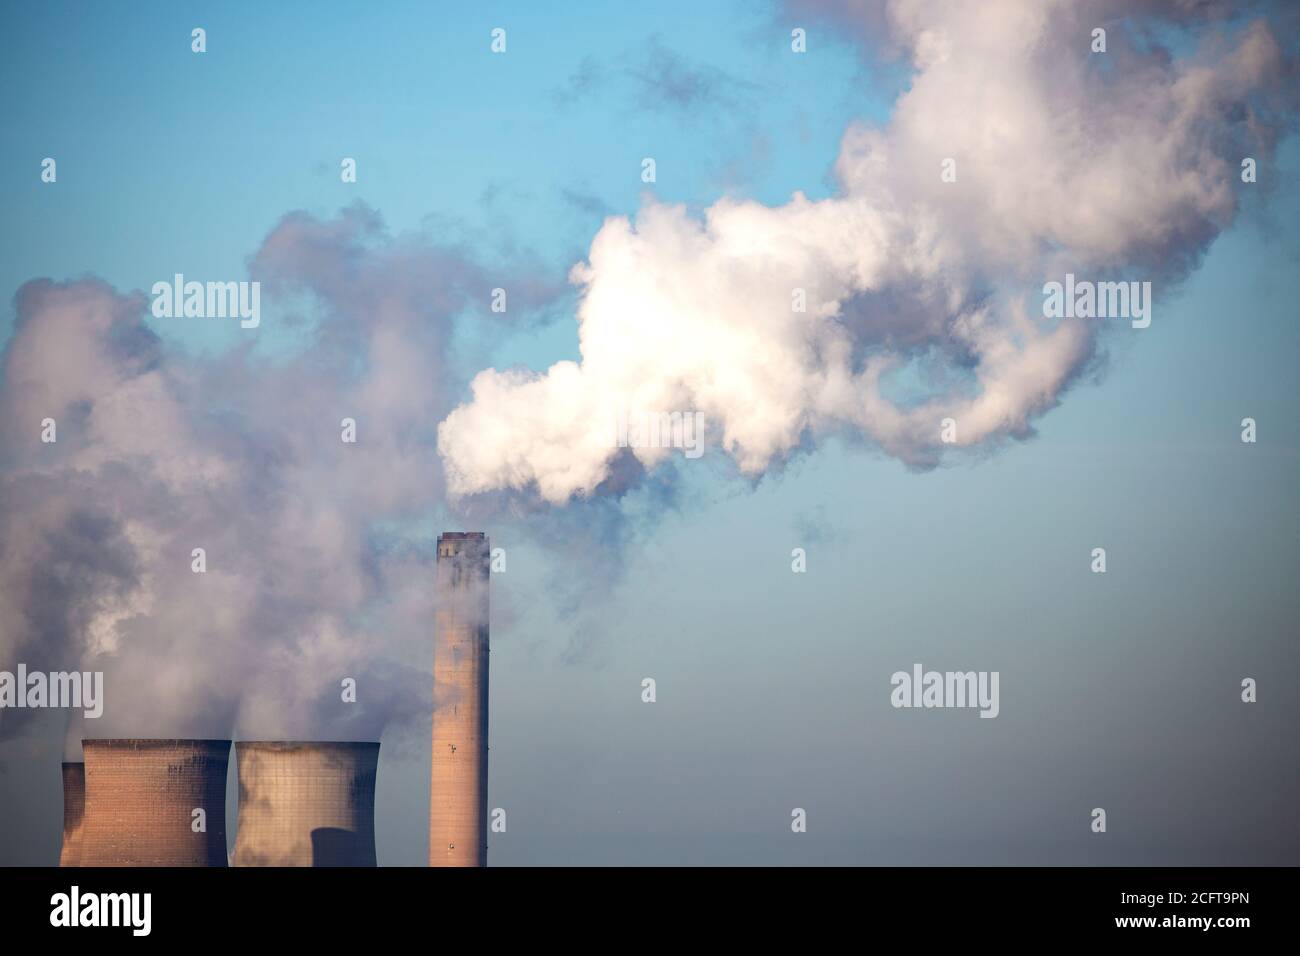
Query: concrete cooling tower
x=74, y=807
x=458, y=789
x=306, y=804
x=141, y=803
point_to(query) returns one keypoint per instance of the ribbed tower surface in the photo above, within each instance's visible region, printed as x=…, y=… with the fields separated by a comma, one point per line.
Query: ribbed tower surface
x=141, y=803
x=306, y=803
x=74, y=809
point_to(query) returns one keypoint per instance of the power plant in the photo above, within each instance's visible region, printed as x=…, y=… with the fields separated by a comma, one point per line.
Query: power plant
x=458, y=785
x=155, y=803
x=306, y=804
x=74, y=808
x=140, y=802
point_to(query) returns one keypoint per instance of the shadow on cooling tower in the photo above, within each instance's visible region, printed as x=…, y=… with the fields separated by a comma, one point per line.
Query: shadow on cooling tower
x=331, y=846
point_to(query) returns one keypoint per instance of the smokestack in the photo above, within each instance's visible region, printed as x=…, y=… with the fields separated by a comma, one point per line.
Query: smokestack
x=458, y=791
x=74, y=807
x=141, y=803
x=306, y=803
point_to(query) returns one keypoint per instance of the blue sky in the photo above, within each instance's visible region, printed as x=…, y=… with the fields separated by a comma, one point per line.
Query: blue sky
x=771, y=693
x=185, y=162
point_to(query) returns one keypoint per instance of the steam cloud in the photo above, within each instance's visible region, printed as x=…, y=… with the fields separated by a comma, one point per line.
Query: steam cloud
x=158, y=453
x=923, y=296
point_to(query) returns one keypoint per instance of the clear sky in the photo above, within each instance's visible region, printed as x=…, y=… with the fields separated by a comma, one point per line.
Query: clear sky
x=1119, y=690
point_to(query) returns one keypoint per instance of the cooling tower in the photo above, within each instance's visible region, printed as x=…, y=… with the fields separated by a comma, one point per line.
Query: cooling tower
x=74, y=807
x=306, y=804
x=141, y=798
x=458, y=790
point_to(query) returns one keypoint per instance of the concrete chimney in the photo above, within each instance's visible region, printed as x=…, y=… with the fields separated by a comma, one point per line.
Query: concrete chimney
x=74, y=807
x=141, y=798
x=306, y=804
x=458, y=790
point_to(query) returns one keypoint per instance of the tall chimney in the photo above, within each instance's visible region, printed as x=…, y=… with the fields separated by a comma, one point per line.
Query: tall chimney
x=141, y=798
x=306, y=804
x=74, y=807
x=458, y=791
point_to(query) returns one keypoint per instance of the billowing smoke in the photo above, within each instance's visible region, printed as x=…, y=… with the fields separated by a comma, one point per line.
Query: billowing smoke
x=308, y=578
x=921, y=302
x=1016, y=155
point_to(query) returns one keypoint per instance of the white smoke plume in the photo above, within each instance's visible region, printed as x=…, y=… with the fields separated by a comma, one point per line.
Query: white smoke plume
x=923, y=296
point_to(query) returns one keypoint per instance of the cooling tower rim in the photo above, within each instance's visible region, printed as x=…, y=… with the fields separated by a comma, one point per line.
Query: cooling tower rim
x=143, y=743
x=306, y=744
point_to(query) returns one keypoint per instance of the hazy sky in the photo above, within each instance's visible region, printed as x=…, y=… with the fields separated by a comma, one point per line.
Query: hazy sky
x=1119, y=690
